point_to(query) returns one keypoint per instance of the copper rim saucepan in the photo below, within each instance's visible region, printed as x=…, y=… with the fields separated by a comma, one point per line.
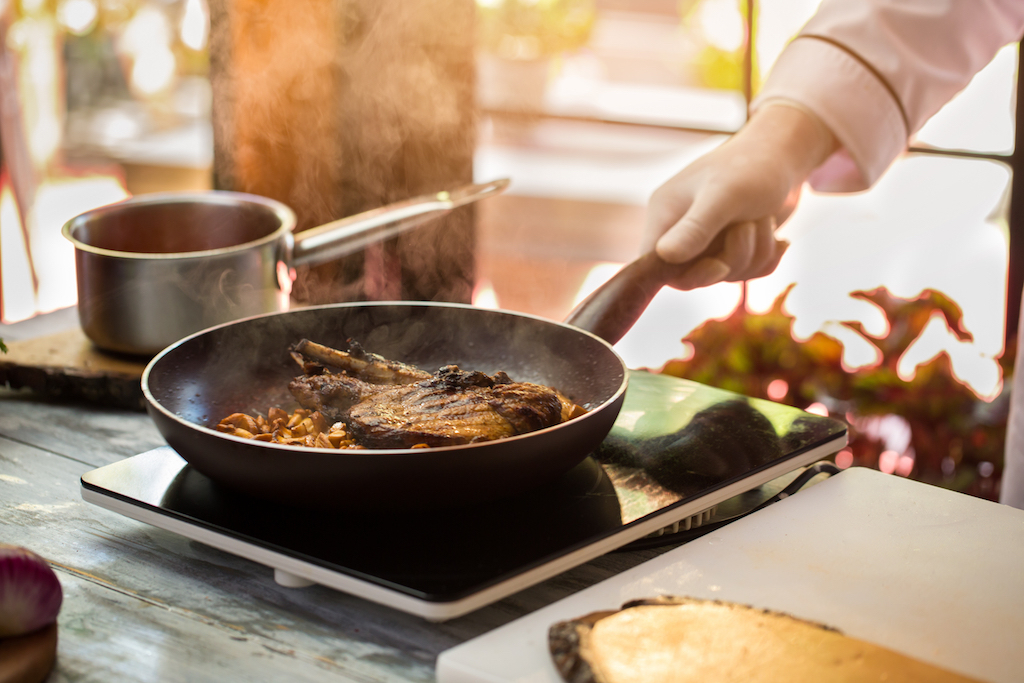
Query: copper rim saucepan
x=157, y=267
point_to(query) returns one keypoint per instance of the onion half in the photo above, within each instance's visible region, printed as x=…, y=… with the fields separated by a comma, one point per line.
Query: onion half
x=30, y=593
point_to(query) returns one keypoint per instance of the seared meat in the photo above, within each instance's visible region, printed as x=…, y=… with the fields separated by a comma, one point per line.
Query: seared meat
x=388, y=404
x=331, y=394
x=451, y=407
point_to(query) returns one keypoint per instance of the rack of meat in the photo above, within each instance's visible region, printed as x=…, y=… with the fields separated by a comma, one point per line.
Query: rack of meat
x=356, y=399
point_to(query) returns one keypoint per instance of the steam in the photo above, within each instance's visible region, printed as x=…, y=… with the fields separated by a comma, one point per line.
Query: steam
x=335, y=108
x=271, y=69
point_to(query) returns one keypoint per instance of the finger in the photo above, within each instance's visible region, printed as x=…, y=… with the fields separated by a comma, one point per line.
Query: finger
x=762, y=250
x=703, y=273
x=709, y=214
x=685, y=240
x=788, y=206
x=667, y=205
x=739, y=249
x=780, y=250
x=663, y=212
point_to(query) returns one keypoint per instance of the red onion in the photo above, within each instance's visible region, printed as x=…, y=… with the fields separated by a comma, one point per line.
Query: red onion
x=30, y=594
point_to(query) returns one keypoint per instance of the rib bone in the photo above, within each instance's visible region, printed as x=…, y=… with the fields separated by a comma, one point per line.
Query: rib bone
x=359, y=363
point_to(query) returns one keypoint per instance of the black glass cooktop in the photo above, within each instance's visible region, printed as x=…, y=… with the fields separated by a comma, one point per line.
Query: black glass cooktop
x=677, y=449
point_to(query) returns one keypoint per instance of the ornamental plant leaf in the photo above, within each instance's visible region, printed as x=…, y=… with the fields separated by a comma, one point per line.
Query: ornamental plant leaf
x=954, y=433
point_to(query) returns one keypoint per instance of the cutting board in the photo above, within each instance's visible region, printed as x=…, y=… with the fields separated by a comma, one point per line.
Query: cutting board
x=930, y=573
x=67, y=365
x=28, y=658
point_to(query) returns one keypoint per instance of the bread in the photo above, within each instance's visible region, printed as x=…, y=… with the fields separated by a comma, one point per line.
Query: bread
x=687, y=639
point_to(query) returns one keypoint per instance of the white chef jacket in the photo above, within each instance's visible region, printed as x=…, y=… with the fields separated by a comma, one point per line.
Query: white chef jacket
x=874, y=71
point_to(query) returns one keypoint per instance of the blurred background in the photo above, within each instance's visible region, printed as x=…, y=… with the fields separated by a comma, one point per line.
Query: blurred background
x=889, y=310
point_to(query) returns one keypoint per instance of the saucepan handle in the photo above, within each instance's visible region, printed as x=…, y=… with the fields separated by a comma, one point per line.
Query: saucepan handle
x=348, y=235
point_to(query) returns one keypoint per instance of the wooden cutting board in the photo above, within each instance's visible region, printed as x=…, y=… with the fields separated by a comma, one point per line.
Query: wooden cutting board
x=29, y=658
x=67, y=366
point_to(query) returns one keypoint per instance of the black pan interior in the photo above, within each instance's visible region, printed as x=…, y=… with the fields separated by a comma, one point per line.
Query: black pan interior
x=246, y=366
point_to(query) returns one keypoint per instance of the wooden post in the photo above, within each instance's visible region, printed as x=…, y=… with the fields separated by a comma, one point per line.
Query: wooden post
x=15, y=157
x=338, y=106
x=1015, y=268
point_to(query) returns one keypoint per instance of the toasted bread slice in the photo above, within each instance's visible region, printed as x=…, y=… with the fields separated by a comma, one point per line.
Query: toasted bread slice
x=686, y=639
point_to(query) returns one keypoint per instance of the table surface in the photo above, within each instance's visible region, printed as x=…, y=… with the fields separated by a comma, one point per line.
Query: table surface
x=143, y=604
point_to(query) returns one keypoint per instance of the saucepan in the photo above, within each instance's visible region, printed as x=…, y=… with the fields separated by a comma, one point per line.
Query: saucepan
x=244, y=366
x=157, y=267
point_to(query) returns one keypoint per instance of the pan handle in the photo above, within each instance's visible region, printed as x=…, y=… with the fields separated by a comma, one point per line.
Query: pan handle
x=613, y=308
x=348, y=235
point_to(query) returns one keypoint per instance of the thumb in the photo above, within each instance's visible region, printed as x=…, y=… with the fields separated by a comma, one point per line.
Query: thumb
x=694, y=232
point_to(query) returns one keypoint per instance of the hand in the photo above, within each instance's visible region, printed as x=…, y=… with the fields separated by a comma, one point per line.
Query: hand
x=747, y=187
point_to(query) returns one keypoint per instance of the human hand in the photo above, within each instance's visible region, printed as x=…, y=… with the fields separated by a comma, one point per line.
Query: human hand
x=745, y=188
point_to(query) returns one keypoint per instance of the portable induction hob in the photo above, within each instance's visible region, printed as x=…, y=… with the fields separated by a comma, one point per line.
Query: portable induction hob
x=677, y=450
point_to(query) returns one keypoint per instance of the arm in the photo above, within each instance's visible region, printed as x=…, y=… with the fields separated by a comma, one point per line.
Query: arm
x=868, y=72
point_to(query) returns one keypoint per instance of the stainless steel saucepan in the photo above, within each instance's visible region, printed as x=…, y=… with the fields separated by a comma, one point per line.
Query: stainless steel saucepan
x=156, y=268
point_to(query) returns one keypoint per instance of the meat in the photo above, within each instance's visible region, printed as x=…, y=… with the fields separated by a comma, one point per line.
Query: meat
x=333, y=395
x=450, y=407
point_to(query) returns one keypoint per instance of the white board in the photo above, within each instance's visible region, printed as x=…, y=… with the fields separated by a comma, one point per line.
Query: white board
x=930, y=573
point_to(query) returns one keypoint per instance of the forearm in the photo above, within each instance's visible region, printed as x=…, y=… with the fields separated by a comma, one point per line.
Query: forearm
x=875, y=70
x=836, y=110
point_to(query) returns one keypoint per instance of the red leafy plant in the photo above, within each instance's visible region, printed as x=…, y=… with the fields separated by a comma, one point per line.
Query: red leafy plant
x=952, y=437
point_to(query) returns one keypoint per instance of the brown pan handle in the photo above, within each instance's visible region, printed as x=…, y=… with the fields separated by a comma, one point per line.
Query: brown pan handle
x=614, y=307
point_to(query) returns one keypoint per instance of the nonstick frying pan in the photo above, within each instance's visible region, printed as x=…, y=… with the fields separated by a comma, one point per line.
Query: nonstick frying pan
x=244, y=366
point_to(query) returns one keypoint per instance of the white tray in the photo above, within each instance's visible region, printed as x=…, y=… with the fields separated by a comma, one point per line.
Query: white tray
x=931, y=573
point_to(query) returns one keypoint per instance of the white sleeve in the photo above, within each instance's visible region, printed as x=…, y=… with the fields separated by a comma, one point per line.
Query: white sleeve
x=874, y=71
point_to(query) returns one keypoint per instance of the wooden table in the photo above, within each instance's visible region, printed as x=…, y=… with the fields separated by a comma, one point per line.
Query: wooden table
x=143, y=604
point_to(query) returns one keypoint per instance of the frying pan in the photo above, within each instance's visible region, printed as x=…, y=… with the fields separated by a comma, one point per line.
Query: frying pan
x=244, y=366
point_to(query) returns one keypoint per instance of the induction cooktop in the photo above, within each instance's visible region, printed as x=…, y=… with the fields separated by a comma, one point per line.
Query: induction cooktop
x=677, y=451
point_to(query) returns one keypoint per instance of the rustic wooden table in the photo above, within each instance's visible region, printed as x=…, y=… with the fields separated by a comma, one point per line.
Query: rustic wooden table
x=143, y=604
